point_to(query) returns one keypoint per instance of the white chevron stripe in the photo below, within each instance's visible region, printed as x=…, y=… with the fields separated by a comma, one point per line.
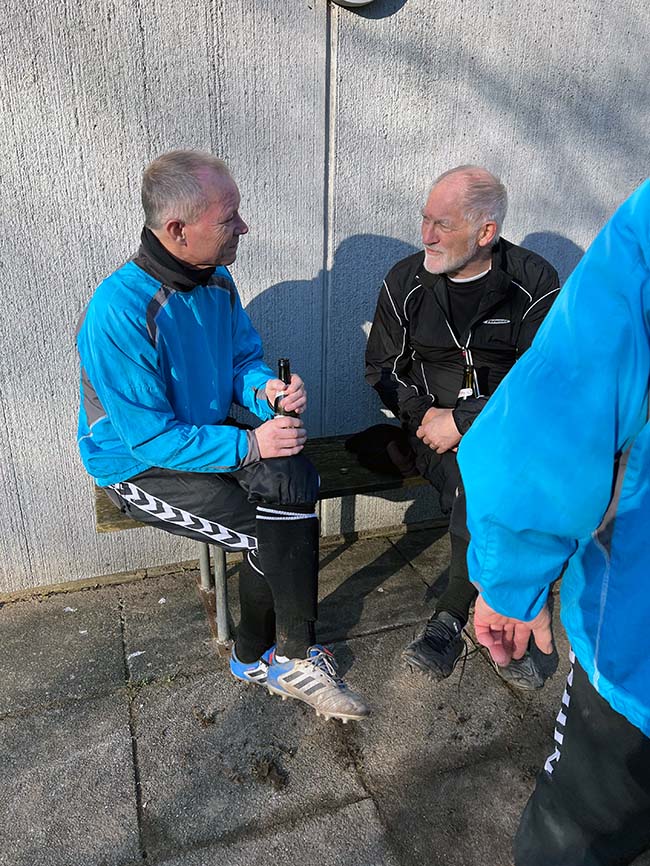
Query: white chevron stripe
x=558, y=736
x=162, y=510
x=551, y=760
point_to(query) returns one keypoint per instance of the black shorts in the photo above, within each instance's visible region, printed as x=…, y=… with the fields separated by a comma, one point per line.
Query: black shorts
x=218, y=508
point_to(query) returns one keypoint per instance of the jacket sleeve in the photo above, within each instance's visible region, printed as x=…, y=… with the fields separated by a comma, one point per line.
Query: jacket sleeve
x=538, y=465
x=250, y=373
x=121, y=363
x=388, y=362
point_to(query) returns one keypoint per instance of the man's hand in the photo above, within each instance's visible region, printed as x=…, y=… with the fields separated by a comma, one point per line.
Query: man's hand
x=295, y=394
x=508, y=638
x=281, y=437
x=438, y=430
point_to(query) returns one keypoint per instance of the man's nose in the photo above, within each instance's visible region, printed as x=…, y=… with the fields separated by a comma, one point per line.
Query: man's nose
x=429, y=234
x=242, y=228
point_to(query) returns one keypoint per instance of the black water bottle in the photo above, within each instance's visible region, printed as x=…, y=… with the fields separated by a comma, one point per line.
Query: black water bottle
x=284, y=375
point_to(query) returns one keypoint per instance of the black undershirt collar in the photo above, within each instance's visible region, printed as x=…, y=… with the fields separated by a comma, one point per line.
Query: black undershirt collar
x=157, y=261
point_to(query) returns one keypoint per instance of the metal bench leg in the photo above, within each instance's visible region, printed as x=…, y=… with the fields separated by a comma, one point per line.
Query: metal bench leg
x=204, y=562
x=221, y=595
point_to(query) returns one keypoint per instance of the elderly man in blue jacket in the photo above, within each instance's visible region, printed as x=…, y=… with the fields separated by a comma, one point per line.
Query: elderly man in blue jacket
x=571, y=423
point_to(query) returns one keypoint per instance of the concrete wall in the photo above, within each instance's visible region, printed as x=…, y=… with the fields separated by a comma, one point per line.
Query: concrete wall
x=333, y=122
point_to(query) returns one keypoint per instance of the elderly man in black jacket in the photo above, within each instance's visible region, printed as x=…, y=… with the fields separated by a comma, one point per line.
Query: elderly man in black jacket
x=450, y=322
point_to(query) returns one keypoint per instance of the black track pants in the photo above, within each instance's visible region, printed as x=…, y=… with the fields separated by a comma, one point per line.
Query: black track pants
x=591, y=805
x=266, y=511
x=442, y=472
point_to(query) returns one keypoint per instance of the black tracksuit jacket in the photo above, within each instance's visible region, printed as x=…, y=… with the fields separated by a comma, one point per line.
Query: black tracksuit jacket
x=415, y=358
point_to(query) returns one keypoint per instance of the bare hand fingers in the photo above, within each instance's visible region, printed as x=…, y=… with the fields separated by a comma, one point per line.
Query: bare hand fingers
x=544, y=638
x=521, y=638
x=493, y=639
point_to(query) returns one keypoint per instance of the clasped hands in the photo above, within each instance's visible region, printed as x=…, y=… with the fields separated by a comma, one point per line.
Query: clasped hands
x=438, y=430
x=283, y=436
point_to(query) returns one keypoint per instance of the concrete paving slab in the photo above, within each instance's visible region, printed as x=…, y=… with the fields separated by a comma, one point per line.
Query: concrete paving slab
x=166, y=630
x=351, y=835
x=451, y=764
x=218, y=757
x=429, y=552
x=68, y=791
x=366, y=587
x=62, y=647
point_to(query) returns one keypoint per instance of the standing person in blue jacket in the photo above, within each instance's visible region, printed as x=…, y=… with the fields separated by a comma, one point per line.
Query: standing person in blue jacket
x=570, y=421
x=165, y=349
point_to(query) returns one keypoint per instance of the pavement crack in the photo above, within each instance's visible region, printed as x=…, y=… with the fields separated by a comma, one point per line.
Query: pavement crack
x=354, y=753
x=134, y=739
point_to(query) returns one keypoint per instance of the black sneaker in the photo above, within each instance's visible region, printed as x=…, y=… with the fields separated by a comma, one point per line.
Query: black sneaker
x=436, y=651
x=522, y=673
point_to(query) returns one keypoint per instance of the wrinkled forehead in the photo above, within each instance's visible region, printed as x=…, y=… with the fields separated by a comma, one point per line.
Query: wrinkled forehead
x=446, y=199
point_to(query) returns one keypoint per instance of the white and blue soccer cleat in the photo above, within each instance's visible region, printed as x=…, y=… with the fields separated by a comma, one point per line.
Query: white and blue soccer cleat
x=251, y=672
x=314, y=681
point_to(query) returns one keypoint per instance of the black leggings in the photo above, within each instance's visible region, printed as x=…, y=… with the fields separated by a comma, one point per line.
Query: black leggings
x=441, y=471
x=591, y=805
x=266, y=511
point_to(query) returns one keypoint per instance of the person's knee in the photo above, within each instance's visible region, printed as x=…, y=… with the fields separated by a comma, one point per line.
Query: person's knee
x=287, y=481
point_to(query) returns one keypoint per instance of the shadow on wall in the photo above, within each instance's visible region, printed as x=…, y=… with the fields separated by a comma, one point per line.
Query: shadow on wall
x=348, y=294
x=562, y=253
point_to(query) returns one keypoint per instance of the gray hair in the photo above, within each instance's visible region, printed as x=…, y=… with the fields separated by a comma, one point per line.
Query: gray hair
x=485, y=197
x=173, y=186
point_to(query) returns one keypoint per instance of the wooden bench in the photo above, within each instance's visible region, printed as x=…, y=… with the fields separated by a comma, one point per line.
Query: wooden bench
x=340, y=474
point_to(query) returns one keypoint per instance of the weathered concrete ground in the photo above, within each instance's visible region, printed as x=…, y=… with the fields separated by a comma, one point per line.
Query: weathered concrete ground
x=124, y=740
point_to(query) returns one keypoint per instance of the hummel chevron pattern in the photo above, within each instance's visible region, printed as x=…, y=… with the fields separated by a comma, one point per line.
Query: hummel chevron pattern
x=139, y=498
x=558, y=734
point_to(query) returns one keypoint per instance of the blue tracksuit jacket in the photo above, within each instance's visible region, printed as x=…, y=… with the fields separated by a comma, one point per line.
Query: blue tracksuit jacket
x=160, y=368
x=539, y=467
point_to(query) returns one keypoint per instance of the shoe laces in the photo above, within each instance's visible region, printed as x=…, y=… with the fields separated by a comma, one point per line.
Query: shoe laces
x=325, y=661
x=438, y=635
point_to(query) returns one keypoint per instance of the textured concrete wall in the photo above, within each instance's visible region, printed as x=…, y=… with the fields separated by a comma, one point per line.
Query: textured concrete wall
x=334, y=122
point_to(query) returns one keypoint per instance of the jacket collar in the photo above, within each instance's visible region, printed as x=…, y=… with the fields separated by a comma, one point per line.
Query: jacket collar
x=159, y=263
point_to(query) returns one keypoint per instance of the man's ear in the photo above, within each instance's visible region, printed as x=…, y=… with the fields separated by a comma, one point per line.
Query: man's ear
x=487, y=234
x=174, y=231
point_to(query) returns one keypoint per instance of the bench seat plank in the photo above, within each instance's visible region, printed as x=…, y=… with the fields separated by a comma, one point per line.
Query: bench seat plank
x=340, y=474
